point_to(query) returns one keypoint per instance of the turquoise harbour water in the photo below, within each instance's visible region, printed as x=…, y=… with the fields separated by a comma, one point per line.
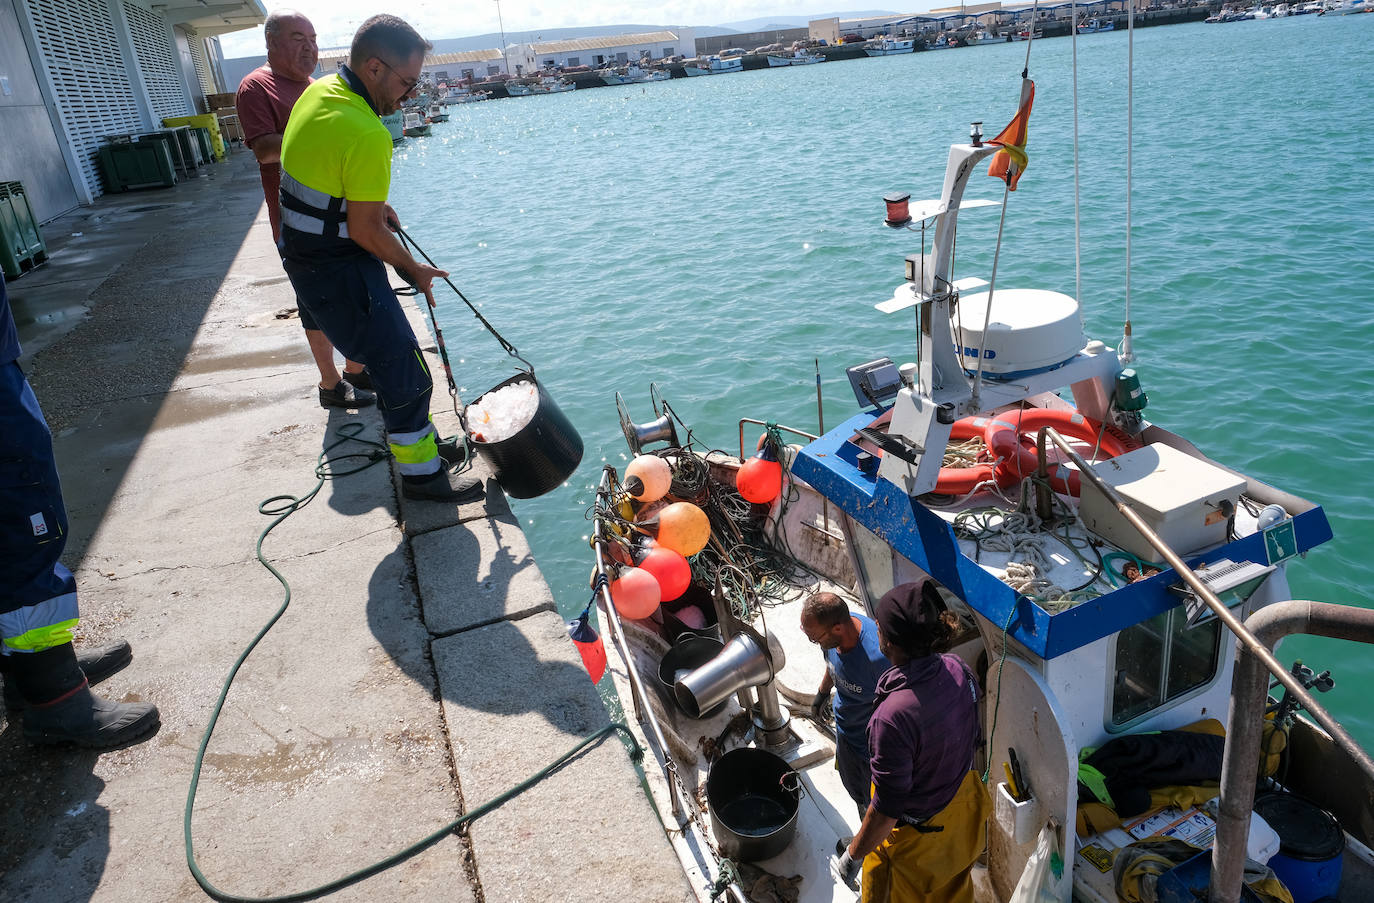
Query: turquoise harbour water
x=717, y=235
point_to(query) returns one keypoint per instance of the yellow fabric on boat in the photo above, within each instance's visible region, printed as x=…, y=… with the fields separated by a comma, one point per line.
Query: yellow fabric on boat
x=932, y=867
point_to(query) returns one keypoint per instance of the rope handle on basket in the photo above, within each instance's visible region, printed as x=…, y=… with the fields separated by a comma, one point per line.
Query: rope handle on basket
x=509, y=348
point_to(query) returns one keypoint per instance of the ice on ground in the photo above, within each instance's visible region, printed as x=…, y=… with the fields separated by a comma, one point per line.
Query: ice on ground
x=503, y=412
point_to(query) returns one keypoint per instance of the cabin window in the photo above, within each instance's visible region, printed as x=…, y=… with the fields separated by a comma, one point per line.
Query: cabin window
x=1160, y=660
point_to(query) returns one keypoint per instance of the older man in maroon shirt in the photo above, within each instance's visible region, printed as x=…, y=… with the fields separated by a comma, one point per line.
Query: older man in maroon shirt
x=927, y=821
x=265, y=98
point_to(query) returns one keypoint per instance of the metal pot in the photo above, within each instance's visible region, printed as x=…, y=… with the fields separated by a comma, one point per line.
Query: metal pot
x=752, y=796
x=687, y=654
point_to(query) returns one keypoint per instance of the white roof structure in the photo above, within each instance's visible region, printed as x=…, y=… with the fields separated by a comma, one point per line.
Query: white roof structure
x=598, y=43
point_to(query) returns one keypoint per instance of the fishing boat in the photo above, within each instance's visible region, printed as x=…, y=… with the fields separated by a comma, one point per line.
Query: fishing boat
x=463, y=95
x=1094, y=25
x=395, y=123
x=720, y=65
x=794, y=58
x=982, y=36
x=436, y=113
x=1348, y=7
x=886, y=46
x=1109, y=580
x=1026, y=34
x=414, y=125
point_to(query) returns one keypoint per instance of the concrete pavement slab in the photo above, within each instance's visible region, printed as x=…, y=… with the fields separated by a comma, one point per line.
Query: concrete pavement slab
x=476, y=573
x=585, y=834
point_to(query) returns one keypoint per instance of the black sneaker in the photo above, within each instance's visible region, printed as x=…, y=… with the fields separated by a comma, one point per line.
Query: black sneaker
x=360, y=380
x=443, y=487
x=345, y=395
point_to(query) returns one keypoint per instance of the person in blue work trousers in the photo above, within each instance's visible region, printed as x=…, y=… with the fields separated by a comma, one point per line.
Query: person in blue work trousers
x=337, y=237
x=926, y=824
x=853, y=665
x=45, y=676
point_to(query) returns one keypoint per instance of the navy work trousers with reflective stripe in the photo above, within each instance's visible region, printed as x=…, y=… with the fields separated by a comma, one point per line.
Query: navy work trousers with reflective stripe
x=33, y=520
x=352, y=302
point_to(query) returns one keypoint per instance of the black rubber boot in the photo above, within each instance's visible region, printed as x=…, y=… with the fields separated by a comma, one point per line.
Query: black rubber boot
x=442, y=486
x=96, y=663
x=62, y=708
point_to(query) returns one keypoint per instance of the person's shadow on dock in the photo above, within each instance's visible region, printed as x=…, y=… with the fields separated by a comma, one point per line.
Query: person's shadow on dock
x=484, y=607
x=54, y=835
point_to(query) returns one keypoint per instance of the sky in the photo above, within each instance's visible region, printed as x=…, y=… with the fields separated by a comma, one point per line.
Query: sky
x=336, y=20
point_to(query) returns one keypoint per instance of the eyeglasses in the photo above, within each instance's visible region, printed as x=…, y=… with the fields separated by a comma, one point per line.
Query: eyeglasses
x=410, y=83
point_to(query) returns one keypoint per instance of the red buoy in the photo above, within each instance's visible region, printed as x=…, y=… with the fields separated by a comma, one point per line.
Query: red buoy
x=588, y=643
x=759, y=479
x=670, y=569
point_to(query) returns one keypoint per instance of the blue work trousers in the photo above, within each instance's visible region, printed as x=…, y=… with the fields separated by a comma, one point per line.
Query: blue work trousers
x=351, y=300
x=36, y=591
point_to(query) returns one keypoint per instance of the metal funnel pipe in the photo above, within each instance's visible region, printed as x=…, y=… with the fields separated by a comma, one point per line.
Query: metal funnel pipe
x=742, y=663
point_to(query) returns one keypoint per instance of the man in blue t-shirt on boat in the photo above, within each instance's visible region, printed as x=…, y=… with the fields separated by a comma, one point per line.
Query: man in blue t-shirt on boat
x=853, y=664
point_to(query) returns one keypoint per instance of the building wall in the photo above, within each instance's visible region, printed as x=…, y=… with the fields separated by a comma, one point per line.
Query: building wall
x=525, y=60
x=29, y=152
x=716, y=43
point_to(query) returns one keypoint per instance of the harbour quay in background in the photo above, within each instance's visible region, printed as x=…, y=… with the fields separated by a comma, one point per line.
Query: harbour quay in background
x=556, y=67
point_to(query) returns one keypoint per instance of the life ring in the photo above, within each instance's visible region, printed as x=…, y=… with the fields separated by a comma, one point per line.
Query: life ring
x=1015, y=461
x=963, y=480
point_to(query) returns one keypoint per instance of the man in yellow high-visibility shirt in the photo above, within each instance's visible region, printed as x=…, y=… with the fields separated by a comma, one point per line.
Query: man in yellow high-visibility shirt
x=336, y=238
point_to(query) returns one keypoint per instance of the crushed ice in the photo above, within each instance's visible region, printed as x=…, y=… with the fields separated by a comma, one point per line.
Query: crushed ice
x=502, y=413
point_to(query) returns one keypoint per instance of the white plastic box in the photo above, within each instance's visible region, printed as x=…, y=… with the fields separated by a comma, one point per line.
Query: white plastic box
x=1180, y=497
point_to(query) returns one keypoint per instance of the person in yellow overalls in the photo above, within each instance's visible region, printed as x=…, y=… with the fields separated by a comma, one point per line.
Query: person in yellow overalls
x=926, y=823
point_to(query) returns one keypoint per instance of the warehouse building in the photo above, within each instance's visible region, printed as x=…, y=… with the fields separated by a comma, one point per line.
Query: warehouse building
x=603, y=51
x=467, y=65
x=75, y=71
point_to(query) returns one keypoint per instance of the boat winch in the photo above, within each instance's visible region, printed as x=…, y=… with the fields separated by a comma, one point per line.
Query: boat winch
x=1030, y=331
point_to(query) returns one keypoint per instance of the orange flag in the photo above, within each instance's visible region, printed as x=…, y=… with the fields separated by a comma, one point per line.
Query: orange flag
x=1008, y=163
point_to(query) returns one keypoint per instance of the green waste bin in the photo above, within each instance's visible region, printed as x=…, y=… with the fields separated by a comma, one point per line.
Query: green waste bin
x=21, y=242
x=137, y=164
x=203, y=139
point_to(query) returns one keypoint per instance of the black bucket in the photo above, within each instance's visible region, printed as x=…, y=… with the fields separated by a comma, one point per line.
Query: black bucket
x=752, y=795
x=541, y=455
x=689, y=652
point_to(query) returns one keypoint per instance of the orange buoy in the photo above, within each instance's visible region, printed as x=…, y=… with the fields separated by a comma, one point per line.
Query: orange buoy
x=684, y=528
x=636, y=593
x=1014, y=460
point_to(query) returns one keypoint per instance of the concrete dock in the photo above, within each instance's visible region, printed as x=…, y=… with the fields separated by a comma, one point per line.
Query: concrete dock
x=420, y=670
